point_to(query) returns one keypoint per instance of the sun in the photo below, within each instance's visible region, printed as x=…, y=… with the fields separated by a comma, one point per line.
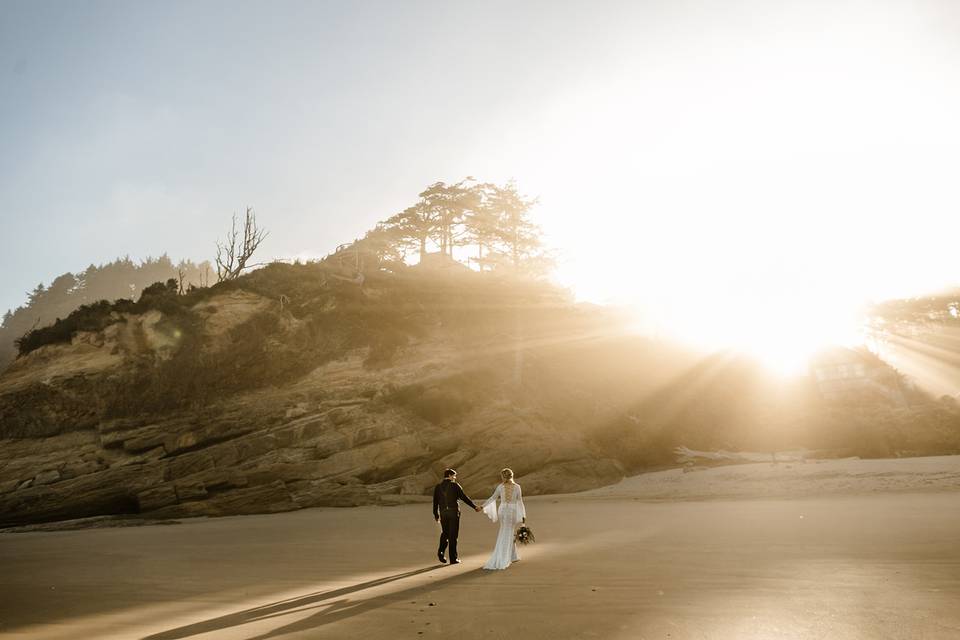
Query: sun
x=787, y=349
x=782, y=337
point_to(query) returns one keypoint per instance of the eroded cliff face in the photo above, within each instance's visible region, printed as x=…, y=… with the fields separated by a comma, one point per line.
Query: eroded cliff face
x=346, y=433
x=69, y=386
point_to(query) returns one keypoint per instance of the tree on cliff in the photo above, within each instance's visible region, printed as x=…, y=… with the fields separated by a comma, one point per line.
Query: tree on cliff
x=482, y=226
x=494, y=218
x=517, y=240
x=235, y=252
x=412, y=227
x=385, y=242
x=450, y=204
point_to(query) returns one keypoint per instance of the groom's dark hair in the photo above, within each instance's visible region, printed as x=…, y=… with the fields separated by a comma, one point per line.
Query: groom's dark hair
x=449, y=473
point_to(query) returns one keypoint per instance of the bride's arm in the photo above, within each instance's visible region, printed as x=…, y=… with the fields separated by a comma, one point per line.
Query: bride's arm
x=493, y=498
x=521, y=510
x=490, y=506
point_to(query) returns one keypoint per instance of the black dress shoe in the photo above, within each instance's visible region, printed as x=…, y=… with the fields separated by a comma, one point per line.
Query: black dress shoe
x=440, y=557
x=455, y=561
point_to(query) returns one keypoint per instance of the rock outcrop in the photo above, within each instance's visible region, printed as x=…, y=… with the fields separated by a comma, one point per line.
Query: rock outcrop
x=344, y=434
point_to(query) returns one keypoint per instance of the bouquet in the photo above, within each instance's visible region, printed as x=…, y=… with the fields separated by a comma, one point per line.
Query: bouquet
x=524, y=535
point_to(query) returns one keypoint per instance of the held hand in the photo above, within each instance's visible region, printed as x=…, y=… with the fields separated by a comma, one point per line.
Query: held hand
x=438, y=520
x=478, y=509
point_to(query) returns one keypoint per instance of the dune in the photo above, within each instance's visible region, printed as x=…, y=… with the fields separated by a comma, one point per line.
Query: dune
x=865, y=549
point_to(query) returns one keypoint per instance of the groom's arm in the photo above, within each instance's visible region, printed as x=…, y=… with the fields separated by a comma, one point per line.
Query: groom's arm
x=463, y=496
x=436, y=502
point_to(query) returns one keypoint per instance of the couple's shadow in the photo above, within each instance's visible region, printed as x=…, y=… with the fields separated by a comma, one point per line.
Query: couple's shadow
x=338, y=609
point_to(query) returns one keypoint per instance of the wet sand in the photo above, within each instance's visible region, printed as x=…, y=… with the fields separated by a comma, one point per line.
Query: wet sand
x=606, y=565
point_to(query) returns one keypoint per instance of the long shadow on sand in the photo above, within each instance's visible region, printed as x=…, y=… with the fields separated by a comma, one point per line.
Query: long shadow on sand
x=332, y=612
x=342, y=609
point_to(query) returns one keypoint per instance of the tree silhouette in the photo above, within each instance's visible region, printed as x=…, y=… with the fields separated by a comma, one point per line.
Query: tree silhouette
x=386, y=243
x=412, y=227
x=449, y=206
x=122, y=278
x=482, y=225
x=518, y=238
x=233, y=255
x=494, y=218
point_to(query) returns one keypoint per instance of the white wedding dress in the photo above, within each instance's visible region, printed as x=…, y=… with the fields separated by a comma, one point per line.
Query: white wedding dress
x=510, y=512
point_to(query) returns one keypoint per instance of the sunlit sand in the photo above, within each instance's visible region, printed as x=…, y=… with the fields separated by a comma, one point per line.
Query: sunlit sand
x=869, y=552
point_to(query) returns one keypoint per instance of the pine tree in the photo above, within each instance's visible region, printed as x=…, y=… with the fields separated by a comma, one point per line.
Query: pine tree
x=413, y=227
x=449, y=206
x=518, y=237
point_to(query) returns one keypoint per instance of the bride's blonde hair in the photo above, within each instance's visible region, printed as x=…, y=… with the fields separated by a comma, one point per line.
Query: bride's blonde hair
x=506, y=474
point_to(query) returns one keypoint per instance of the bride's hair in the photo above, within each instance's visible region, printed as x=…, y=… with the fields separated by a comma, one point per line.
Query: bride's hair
x=506, y=474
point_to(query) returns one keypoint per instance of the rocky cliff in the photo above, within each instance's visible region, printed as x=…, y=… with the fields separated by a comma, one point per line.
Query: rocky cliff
x=293, y=389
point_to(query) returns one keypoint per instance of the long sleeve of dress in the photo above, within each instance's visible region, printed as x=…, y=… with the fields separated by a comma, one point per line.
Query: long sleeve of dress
x=490, y=506
x=521, y=510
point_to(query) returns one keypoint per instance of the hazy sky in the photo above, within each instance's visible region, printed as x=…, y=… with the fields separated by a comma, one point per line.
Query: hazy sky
x=688, y=154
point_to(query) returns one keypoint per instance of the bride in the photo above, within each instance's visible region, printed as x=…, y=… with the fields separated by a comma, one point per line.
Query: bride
x=510, y=513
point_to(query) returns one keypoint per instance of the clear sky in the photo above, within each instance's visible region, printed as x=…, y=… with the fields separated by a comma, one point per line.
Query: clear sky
x=689, y=156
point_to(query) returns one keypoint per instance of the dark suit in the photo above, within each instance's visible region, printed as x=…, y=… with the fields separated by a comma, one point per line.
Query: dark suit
x=447, y=509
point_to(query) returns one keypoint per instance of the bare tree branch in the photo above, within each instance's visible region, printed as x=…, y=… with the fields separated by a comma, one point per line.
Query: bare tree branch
x=234, y=253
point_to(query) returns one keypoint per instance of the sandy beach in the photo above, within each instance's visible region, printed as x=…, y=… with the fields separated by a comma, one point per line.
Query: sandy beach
x=869, y=550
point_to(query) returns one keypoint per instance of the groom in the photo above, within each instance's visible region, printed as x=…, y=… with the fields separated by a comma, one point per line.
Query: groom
x=446, y=511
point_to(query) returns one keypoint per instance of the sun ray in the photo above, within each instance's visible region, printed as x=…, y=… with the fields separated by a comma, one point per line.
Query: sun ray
x=934, y=368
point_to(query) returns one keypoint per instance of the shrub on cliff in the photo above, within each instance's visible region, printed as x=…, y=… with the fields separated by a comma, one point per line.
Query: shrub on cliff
x=313, y=317
x=448, y=399
x=97, y=316
x=89, y=317
x=434, y=404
